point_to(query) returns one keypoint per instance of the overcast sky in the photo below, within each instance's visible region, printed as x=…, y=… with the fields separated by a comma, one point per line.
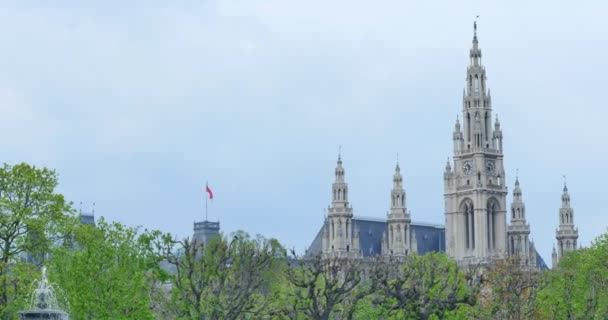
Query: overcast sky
x=136, y=106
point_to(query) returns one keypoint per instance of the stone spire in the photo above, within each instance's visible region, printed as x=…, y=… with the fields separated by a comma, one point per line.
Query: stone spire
x=518, y=231
x=340, y=240
x=398, y=239
x=476, y=208
x=566, y=233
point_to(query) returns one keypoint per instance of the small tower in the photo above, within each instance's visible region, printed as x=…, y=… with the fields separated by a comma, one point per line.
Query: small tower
x=205, y=231
x=554, y=258
x=339, y=220
x=398, y=239
x=518, y=231
x=567, y=233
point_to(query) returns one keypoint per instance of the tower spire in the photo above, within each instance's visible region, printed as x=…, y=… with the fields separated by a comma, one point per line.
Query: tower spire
x=566, y=233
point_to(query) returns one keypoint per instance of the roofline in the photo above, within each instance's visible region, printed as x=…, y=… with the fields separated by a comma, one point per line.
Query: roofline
x=423, y=224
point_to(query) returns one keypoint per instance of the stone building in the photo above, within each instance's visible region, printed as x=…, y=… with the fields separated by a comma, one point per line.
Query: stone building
x=475, y=194
x=566, y=234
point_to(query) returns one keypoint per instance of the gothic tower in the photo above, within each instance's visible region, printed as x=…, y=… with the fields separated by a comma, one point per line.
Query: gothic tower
x=474, y=190
x=338, y=240
x=566, y=234
x=398, y=242
x=518, y=232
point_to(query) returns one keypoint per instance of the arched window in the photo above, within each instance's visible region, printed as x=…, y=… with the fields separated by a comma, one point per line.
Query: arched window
x=398, y=233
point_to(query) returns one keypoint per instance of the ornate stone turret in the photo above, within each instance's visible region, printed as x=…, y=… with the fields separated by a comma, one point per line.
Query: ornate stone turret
x=474, y=188
x=398, y=241
x=518, y=231
x=567, y=233
x=340, y=241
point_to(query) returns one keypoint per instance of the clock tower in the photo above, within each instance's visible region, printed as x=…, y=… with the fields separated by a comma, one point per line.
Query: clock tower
x=474, y=189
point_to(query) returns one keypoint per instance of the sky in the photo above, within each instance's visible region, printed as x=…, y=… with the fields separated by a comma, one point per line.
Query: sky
x=138, y=104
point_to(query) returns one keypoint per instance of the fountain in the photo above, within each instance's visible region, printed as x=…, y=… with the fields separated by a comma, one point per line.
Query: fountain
x=44, y=303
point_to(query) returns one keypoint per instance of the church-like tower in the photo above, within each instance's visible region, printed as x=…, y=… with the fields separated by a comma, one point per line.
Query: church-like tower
x=338, y=234
x=398, y=241
x=567, y=233
x=474, y=190
x=518, y=231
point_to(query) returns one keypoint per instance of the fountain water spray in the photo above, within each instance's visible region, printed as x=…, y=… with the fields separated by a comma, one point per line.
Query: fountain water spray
x=44, y=303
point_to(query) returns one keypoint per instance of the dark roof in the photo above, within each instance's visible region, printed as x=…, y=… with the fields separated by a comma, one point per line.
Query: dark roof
x=87, y=219
x=540, y=263
x=429, y=237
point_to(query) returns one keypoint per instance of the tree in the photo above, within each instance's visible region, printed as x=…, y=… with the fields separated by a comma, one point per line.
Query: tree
x=576, y=289
x=221, y=279
x=33, y=217
x=326, y=287
x=424, y=286
x=109, y=272
x=513, y=290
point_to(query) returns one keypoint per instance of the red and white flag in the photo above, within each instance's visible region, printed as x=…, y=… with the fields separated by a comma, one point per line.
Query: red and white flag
x=209, y=192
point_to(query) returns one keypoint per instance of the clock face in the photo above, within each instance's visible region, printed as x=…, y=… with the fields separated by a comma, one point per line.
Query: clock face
x=467, y=168
x=490, y=167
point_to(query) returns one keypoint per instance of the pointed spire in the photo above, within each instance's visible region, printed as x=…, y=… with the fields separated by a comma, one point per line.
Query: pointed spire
x=448, y=167
x=475, y=51
x=475, y=32
x=517, y=189
x=565, y=195
x=339, y=168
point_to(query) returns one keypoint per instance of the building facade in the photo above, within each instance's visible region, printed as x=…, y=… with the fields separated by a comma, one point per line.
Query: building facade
x=475, y=199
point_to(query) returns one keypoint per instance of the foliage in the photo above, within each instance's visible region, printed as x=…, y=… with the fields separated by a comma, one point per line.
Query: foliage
x=33, y=217
x=424, y=287
x=577, y=288
x=325, y=288
x=221, y=279
x=108, y=272
x=511, y=290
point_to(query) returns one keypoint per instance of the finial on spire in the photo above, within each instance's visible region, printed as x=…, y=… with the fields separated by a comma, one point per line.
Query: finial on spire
x=517, y=176
x=339, y=152
x=93, y=210
x=565, y=183
x=80, y=209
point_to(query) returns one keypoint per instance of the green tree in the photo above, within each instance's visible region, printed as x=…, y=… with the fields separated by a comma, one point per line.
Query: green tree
x=513, y=290
x=326, y=288
x=33, y=217
x=424, y=287
x=576, y=289
x=224, y=280
x=109, y=272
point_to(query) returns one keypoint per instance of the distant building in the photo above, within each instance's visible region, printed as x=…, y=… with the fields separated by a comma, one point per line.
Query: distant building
x=475, y=195
x=205, y=230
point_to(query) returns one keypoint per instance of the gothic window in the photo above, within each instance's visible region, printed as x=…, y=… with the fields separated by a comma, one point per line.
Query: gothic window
x=392, y=235
x=469, y=128
x=398, y=233
x=347, y=248
x=487, y=125
x=469, y=224
x=340, y=229
x=476, y=84
x=347, y=230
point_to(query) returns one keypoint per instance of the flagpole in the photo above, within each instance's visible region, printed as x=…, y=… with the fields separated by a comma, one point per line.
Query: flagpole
x=206, y=196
